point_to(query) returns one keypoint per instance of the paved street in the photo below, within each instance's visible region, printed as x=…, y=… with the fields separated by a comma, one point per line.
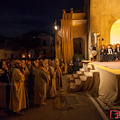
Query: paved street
x=66, y=106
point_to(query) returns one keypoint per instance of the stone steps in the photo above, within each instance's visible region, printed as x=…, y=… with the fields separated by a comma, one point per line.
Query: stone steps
x=77, y=82
x=88, y=74
x=71, y=79
x=82, y=70
x=79, y=73
x=75, y=75
x=81, y=80
x=72, y=87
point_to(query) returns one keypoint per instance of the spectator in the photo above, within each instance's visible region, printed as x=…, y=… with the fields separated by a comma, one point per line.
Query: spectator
x=103, y=54
x=109, y=53
x=117, y=51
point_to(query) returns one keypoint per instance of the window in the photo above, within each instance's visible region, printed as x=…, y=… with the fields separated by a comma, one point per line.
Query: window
x=44, y=51
x=44, y=43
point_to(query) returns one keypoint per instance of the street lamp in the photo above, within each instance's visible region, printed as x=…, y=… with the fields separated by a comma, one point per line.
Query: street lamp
x=55, y=25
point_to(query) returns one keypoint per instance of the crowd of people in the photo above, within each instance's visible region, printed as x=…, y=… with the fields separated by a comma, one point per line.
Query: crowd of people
x=110, y=54
x=25, y=80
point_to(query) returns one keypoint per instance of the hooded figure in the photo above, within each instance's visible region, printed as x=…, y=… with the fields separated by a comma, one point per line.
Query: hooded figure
x=4, y=88
x=52, y=84
x=27, y=73
x=58, y=75
x=17, y=93
x=40, y=86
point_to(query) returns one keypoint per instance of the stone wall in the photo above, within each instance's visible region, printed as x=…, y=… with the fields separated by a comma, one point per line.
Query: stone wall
x=5, y=54
x=103, y=13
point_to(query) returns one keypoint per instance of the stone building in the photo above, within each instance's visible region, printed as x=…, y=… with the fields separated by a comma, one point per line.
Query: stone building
x=8, y=54
x=104, y=21
x=7, y=48
x=48, y=48
x=103, y=15
x=32, y=45
x=99, y=24
x=71, y=36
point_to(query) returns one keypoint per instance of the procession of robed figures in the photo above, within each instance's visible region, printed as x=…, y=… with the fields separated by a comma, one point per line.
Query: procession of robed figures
x=26, y=80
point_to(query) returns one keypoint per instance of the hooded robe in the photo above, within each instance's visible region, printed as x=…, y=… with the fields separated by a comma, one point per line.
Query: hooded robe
x=40, y=86
x=17, y=93
x=52, y=83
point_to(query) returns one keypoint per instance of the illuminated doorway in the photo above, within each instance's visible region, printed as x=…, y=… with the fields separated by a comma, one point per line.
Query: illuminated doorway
x=115, y=33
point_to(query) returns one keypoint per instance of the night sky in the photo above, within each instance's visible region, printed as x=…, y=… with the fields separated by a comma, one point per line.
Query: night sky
x=21, y=16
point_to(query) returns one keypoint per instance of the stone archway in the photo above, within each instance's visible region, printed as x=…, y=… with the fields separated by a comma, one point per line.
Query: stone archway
x=115, y=32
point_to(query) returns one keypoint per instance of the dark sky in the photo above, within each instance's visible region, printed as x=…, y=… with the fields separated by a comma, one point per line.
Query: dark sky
x=20, y=16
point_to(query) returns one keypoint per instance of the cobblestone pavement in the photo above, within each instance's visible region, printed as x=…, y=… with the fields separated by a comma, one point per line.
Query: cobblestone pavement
x=66, y=106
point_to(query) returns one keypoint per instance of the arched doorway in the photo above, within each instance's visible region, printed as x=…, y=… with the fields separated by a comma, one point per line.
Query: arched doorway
x=115, y=33
x=78, y=45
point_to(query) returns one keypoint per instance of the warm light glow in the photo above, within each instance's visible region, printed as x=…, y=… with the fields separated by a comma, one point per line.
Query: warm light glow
x=29, y=55
x=55, y=27
x=23, y=56
x=115, y=33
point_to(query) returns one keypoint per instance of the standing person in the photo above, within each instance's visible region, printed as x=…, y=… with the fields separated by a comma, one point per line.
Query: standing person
x=29, y=64
x=109, y=53
x=58, y=75
x=27, y=73
x=52, y=83
x=17, y=93
x=65, y=68
x=49, y=60
x=114, y=55
x=62, y=64
x=32, y=79
x=103, y=54
x=71, y=67
x=33, y=67
x=117, y=51
x=40, y=86
x=93, y=52
x=46, y=63
x=77, y=64
x=4, y=88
